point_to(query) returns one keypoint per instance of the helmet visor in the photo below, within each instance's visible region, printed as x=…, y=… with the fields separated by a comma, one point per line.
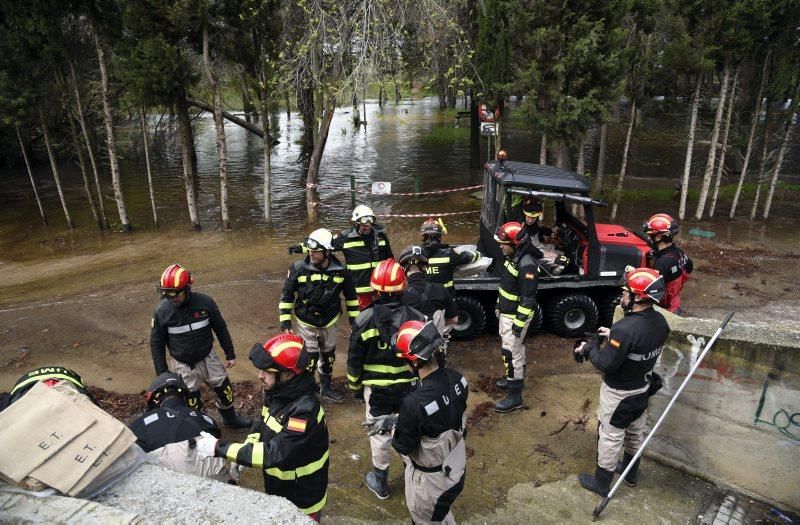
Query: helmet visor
x=366, y=219
x=313, y=246
x=169, y=293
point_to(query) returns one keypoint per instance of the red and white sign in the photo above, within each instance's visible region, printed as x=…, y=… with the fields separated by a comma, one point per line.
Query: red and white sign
x=381, y=187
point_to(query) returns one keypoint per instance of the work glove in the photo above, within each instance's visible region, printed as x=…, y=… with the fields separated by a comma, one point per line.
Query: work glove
x=236, y=472
x=297, y=248
x=206, y=444
x=516, y=331
x=380, y=425
x=358, y=395
x=578, y=350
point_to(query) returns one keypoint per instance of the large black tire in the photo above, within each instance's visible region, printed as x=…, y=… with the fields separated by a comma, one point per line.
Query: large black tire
x=606, y=305
x=471, y=319
x=571, y=315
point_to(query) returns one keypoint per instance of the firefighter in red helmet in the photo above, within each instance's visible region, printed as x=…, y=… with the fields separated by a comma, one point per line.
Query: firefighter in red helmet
x=185, y=322
x=516, y=308
x=670, y=261
x=290, y=442
x=375, y=373
x=626, y=361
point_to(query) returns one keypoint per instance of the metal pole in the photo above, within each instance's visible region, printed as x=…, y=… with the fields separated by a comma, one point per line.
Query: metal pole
x=352, y=190
x=638, y=454
x=488, y=148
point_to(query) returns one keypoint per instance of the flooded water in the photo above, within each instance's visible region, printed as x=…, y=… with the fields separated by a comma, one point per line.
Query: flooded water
x=401, y=143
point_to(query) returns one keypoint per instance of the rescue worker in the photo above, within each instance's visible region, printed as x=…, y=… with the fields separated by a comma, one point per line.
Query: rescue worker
x=375, y=373
x=541, y=237
x=167, y=431
x=185, y=322
x=670, y=261
x=313, y=288
x=431, y=425
x=290, y=443
x=364, y=245
x=516, y=307
x=52, y=376
x=442, y=259
x=627, y=361
x=430, y=298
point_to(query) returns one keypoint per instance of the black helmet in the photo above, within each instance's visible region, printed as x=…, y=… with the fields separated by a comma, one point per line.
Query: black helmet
x=412, y=255
x=166, y=384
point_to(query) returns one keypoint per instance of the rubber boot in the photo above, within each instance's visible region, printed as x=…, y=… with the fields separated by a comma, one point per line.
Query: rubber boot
x=513, y=399
x=194, y=401
x=231, y=420
x=378, y=482
x=600, y=483
x=326, y=391
x=632, y=478
x=502, y=383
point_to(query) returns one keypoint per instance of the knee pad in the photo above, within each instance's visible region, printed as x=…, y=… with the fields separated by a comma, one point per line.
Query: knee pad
x=193, y=400
x=327, y=359
x=313, y=359
x=508, y=362
x=224, y=393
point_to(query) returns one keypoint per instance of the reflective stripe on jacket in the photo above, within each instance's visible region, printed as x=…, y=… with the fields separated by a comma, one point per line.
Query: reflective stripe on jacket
x=362, y=254
x=519, y=279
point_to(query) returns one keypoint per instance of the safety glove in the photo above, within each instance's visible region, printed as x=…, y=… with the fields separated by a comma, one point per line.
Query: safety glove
x=235, y=473
x=358, y=395
x=206, y=444
x=380, y=425
x=297, y=248
x=516, y=331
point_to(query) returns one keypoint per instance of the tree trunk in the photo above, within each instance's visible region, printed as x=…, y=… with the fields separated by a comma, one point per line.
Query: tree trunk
x=364, y=105
x=601, y=158
x=442, y=83
x=88, y=144
x=312, y=196
x=762, y=165
x=82, y=164
x=263, y=106
x=577, y=209
x=305, y=105
x=712, y=150
x=247, y=103
x=54, y=167
x=143, y=125
x=724, y=147
x=30, y=174
x=396, y=93
x=380, y=96
x=110, y=140
x=543, y=150
x=186, y=140
x=219, y=124
x=252, y=128
x=687, y=167
x=789, y=125
x=624, y=166
x=751, y=135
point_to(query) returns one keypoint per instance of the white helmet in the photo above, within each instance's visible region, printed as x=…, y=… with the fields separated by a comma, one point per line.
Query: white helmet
x=363, y=215
x=319, y=240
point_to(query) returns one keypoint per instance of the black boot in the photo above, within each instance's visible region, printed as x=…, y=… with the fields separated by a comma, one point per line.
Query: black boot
x=513, y=399
x=326, y=391
x=194, y=401
x=502, y=383
x=231, y=420
x=378, y=482
x=632, y=478
x=600, y=483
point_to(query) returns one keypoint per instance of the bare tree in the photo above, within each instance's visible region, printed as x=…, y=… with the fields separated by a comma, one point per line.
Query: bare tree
x=751, y=135
x=54, y=167
x=623, y=167
x=601, y=158
x=687, y=167
x=543, y=149
x=762, y=165
x=788, y=126
x=724, y=147
x=219, y=124
x=143, y=126
x=30, y=174
x=712, y=150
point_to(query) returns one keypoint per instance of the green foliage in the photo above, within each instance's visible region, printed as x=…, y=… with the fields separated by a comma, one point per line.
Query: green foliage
x=445, y=136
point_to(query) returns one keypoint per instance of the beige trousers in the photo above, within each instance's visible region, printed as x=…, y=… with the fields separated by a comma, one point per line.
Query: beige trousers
x=380, y=445
x=210, y=370
x=515, y=362
x=622, y=419
x=181, y=458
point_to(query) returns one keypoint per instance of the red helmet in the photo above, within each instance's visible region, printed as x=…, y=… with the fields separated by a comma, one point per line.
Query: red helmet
x=644, y=283
x=417, y=340
x=388, y=277
x=510, y=233
x=282, y=353
x=660, y=223
x=174, y=280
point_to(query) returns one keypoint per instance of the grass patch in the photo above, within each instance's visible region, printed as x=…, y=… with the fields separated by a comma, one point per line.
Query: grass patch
x=440, y=136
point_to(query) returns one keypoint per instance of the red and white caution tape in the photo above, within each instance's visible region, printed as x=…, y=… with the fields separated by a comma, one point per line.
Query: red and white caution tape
x=417, y=215
x=406, y=194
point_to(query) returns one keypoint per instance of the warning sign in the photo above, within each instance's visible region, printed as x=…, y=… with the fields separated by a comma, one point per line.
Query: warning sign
x=488, y=129
x=381, y=187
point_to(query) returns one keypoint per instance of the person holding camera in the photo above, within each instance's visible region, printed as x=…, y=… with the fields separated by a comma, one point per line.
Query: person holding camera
x=313, y=288
x=626, y=360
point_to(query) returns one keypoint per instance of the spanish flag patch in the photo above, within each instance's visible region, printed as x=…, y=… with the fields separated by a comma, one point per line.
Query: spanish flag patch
x=530, y=276
x=296, y=424
x=614, y=343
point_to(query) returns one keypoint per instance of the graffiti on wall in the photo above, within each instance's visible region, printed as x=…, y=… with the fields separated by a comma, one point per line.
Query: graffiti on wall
x=778, y=408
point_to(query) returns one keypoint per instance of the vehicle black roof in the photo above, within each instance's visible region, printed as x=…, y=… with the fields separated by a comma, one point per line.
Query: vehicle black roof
x=539, y=176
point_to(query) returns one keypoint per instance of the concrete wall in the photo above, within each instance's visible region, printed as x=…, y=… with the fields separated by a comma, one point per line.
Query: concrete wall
x=737, y=422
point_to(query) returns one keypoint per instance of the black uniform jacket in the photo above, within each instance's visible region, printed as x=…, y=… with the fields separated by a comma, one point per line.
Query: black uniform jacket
x=290, y=444
x=429, y=297
x=634, y=344
x=519, y=279
x=671, y=262
x=371, y=358
x=443, y=259
x=187, y=331
x=172, y=422
x=315, y=294
x=435, y=406
x=363, y=253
